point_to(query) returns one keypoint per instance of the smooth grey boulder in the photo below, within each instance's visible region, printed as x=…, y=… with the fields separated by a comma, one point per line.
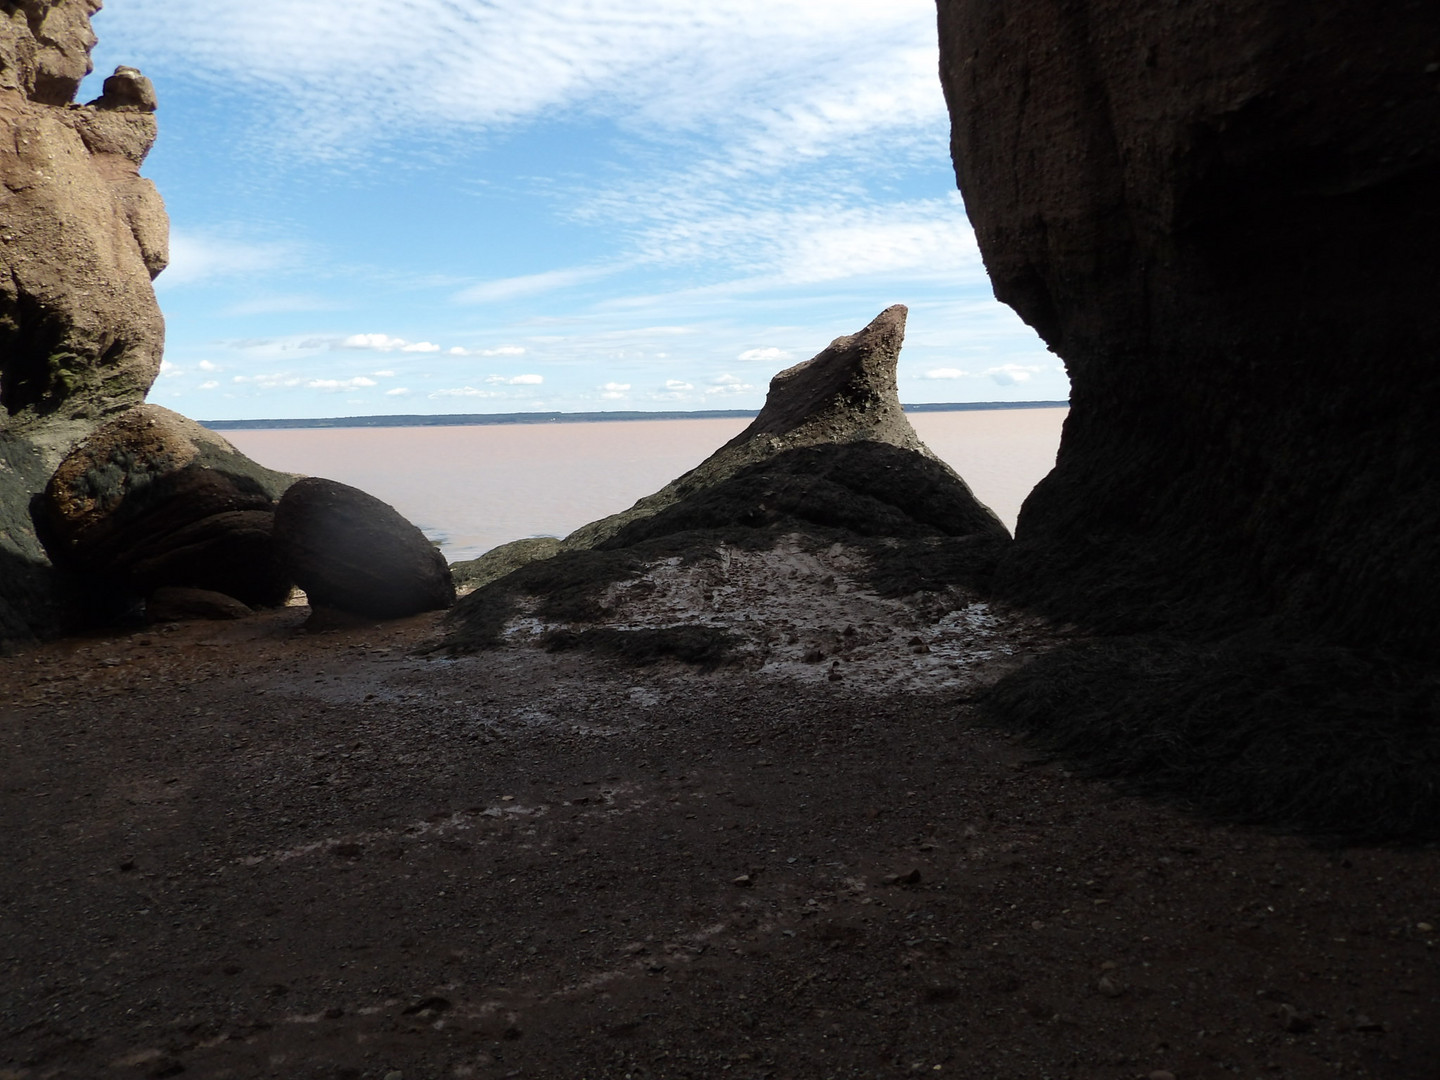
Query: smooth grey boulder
x=351, y=552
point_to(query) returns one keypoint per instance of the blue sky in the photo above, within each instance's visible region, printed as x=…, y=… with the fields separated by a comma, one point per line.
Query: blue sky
x=447, y=206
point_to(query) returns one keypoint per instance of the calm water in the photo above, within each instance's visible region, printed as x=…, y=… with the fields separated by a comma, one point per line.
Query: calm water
x=475, y=487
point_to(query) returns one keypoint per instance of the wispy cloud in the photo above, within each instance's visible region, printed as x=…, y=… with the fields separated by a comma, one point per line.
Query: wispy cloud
x=503, y=350
x=453, y=68
x=765, y=356
x=198, y=256
x=294, y=303
x=492, y=292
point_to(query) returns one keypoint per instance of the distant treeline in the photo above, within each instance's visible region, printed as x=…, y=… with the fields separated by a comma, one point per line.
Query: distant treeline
x=466, y=419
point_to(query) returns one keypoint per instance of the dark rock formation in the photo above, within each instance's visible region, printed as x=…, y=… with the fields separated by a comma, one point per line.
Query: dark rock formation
x=830, y=459
x=83, y=234
x=154, y=499
x=127, y=89
x=350, y=551
x=845, y=394
x=1222, y=215
x=175, y=604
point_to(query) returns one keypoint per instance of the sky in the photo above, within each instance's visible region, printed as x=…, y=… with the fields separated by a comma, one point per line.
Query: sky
x=482, y=206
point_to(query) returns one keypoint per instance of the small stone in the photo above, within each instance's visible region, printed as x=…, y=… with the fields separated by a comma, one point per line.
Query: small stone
x=1109, y=987
x=744, y=881
x=912, y=878
x=1294, y=1021
x=395, y=1074
x=1425, y=928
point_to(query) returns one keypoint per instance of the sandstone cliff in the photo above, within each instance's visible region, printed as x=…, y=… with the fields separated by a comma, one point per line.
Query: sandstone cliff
x=82, y=234
x=1222, y=216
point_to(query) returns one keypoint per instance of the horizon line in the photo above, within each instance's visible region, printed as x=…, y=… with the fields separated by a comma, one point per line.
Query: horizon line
x=469, y=419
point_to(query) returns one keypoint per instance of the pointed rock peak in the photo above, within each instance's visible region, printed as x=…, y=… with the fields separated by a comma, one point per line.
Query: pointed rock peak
x=846, y=392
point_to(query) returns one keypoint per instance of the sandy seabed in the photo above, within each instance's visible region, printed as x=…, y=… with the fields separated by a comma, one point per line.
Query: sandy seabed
x=248, y=850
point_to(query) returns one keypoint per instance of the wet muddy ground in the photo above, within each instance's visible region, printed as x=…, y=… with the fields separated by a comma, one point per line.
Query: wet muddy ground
x=246, y=850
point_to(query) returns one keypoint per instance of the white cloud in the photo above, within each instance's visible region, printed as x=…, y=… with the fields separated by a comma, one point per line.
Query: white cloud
x=206, y=365
x=678, y=384
x=399, y=391
x=379, y=342
x=169, y=370
x=1010, y=374
x=209, y=384
x=383, y=374
x=386, y=343
x=616, y=386
x=357, y=383
x=526, y=380
x=945, y=373
x=768, y=356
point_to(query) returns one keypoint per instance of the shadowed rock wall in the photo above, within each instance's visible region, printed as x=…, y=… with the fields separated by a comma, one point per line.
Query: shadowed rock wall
x=1222, y=214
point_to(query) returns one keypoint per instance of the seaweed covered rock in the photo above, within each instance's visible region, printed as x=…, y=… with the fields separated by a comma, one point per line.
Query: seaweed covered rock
x=350, y=551
x=153, y=499
x=830, y=470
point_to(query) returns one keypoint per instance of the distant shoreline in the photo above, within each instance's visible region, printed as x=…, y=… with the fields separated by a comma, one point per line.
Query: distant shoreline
x=469, y=419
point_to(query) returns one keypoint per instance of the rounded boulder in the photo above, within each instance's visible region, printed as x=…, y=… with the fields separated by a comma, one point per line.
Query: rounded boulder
x=153, y=499
x=350, y=551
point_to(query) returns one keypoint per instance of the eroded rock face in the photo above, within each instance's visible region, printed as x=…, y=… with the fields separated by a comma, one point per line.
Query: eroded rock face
x=830, y=470
x=80, y=331
x=81, y=236
x=844, y=394
x=1222, y=216
x=351, y=552
x=153, y=499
